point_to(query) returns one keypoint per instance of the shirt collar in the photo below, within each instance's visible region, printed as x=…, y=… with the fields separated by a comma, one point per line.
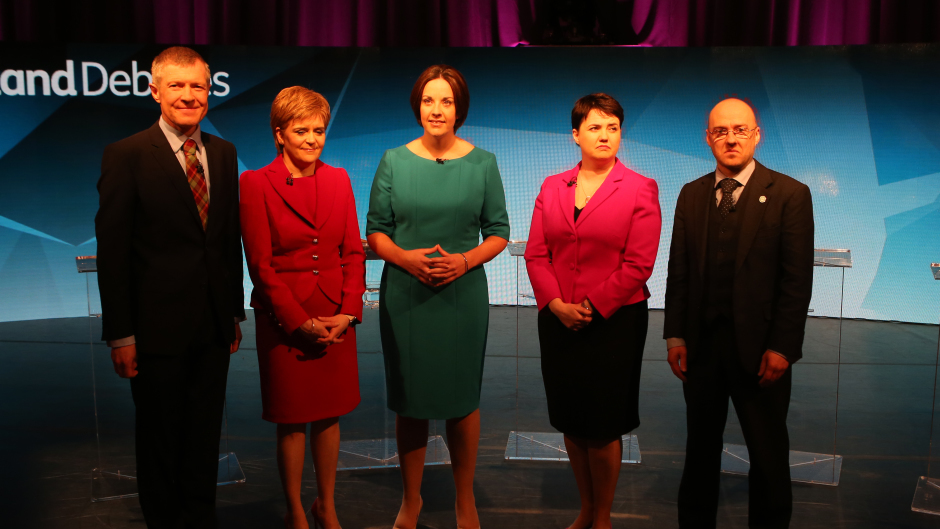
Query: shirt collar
x=742, y=177
x=177, y=139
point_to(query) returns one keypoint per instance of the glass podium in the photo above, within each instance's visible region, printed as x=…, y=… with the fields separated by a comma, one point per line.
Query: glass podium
x=533, y=438
x=927, y=492
x=820, y=463
x=370, y=453
x=114, y=476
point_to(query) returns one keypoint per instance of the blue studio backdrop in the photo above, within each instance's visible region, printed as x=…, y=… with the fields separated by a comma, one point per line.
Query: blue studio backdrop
x=859, y=125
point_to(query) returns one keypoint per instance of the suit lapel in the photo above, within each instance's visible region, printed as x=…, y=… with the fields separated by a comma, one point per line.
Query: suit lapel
x=608, y=188
x=754, y=212
x=173, y=170
x=326, y=191
x=702, y=205
x=566, y=194
x=277, y=174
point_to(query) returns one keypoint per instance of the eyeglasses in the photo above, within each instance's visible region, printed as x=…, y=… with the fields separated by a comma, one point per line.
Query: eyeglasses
x=721, y=133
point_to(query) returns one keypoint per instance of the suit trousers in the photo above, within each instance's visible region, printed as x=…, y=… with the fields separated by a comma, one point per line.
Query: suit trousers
x=714, y=374
x=179, y=399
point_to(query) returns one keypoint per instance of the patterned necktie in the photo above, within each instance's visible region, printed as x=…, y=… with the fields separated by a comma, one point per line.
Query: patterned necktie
x=197, y=181
x=728, y=185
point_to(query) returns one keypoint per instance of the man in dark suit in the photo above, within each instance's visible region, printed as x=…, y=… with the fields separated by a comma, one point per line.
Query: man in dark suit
x=739, y=285
x=170, y=276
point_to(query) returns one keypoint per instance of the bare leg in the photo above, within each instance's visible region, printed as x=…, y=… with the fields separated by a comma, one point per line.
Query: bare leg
x=291, y=444
x=604, y=458
x=578, y=457
x=463, y=438
x=412, y=437
x=324, y=445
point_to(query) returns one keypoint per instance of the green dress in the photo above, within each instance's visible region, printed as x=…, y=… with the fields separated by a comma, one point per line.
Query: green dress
x=434, y=337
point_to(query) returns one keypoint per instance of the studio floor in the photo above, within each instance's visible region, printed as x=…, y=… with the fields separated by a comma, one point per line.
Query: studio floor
x=885, y=377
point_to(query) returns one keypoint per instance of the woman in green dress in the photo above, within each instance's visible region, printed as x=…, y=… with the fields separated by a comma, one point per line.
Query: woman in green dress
x=431, y=201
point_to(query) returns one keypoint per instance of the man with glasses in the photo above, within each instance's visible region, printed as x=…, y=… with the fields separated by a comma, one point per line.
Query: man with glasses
x=739, y=286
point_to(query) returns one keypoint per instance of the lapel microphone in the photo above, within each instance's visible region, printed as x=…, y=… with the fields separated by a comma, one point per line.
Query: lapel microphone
x=573, y=181
x=440, y=160
x=199, y=168
x=290, y=179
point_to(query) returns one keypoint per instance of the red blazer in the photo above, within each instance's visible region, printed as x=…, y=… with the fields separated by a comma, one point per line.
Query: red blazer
x=290, y=252
x=608, y=254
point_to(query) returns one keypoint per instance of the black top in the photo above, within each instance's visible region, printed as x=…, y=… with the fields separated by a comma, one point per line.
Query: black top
x=577, y=213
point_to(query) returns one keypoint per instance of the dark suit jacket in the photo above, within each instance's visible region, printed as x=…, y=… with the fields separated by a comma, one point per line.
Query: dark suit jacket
x=157, y=268
x=773, y=279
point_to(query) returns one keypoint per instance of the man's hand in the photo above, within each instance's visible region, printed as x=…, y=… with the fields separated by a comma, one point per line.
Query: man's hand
x=678, y=358
x=772, y=367
x=238, y=340
x=125, y=360
x=336, y=325
x=571, y=315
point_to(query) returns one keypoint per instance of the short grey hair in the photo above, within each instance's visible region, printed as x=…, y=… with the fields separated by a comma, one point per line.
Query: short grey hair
x=178, y=56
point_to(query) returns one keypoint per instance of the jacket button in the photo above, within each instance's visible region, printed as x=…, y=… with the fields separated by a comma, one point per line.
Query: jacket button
x=315, y=257
x=316, y=272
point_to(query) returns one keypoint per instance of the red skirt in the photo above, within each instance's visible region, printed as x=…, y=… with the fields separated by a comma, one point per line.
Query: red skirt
x=303, y=382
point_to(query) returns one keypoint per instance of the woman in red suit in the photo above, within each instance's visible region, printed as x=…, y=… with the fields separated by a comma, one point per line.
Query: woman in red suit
x=592, y=245
x=305, y=259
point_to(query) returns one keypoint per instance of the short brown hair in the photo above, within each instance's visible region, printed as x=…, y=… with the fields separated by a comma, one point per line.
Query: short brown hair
x=601, y=102
x=457, y=84
x=296, y=102
x=178, y=56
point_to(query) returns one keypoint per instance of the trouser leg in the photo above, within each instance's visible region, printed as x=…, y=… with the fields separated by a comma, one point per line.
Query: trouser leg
x=763, y=416
x=706, y=399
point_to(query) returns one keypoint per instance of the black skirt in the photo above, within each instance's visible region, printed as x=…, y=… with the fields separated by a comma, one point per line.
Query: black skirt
x=592, y=376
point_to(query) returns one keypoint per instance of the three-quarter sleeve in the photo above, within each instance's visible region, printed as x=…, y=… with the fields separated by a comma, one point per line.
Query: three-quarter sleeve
x=494, y=219
x=380, y=218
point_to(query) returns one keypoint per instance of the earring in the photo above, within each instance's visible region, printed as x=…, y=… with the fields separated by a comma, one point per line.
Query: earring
x=578, y=144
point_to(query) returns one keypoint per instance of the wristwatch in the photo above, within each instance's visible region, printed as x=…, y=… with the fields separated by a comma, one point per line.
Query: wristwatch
x=352, y=319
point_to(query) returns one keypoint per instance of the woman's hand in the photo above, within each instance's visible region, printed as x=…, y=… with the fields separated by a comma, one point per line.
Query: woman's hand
x=313, y=330
x=336, y=326
x=417, y=263
x=572, y=316
x=448, y=267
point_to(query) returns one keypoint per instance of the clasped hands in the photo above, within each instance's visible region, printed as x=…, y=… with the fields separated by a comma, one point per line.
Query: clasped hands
x=434, y=271
x=772, y=365
x=574, y=316
x=325, y=330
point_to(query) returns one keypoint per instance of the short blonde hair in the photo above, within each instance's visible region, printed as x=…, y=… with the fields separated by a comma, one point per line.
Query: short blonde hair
x=177, y=56
x=296, y=102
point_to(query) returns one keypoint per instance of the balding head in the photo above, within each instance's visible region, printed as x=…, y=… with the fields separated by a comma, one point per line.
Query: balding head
x=733, y=135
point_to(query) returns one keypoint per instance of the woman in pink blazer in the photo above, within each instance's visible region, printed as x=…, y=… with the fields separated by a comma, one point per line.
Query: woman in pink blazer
x=592, y=246
x=306, y=261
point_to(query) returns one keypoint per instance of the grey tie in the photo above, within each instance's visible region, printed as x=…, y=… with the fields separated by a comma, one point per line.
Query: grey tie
x=728, y=185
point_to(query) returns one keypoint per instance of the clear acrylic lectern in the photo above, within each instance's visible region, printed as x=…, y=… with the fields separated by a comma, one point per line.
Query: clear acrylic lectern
x=114, y=476
x=360, y=454
x=536, y=440
x=819, y=466
x=927, y=492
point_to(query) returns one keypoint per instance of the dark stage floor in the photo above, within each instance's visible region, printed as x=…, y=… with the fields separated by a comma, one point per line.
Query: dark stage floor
x=47, y=434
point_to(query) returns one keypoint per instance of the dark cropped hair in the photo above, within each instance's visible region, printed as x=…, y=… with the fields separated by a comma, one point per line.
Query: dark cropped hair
x=457, y=84
x=601, y=102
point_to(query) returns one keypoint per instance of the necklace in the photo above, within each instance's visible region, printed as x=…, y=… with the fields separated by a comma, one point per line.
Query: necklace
x=587, y=197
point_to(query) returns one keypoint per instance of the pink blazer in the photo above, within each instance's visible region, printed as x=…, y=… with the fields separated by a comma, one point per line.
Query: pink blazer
x=608, y=254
